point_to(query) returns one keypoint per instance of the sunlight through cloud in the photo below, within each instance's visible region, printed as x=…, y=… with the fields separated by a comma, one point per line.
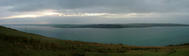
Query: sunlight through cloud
x=51, y=13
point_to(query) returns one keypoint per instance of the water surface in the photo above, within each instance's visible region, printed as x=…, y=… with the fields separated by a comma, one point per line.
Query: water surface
x=152, y=36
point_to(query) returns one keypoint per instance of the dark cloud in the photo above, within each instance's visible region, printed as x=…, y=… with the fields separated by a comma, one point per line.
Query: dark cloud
x=114, y=5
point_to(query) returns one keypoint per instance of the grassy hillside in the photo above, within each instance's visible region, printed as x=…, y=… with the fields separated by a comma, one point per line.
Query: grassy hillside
x=17, y=43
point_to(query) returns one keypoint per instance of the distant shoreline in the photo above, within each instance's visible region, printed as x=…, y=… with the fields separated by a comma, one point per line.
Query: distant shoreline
x=142, y=25
x=130, y=25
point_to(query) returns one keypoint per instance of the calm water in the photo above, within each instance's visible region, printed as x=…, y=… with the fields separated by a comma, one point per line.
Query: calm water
x=155, y=36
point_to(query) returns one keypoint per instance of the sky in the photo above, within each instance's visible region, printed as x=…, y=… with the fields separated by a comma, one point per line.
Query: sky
x=93, y=11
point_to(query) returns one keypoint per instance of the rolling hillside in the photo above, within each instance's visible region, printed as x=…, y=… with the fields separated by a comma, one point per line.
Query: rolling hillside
x=17, y=43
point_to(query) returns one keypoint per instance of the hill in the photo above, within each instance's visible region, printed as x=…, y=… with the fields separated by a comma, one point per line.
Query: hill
x=133, y=25
x=17, y=43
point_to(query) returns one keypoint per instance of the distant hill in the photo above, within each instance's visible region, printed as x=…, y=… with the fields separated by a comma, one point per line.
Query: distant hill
x=131, y=25
x=17, y=43
x=134, y=25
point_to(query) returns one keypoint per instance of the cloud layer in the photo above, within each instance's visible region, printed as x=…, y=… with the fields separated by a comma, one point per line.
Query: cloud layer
x=94, y=11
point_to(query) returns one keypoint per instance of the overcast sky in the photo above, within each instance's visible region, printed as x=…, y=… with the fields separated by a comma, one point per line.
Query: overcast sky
x=93, y=11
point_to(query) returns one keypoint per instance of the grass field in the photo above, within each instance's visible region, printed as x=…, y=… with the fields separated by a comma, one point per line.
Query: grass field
x=17, y=43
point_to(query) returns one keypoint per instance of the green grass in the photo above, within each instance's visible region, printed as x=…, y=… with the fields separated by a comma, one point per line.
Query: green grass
x=17, y=43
